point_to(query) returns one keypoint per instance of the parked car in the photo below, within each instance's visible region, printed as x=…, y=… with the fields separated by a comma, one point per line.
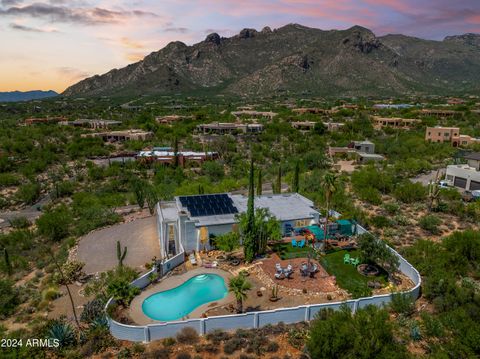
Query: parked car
x=470, y=196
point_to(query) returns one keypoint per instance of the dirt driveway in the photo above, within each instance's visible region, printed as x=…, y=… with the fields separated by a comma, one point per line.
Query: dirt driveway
x=98, y=250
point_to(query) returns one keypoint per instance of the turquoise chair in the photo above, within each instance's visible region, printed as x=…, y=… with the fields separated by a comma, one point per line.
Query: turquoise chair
x=346, y=258
x=294, y=243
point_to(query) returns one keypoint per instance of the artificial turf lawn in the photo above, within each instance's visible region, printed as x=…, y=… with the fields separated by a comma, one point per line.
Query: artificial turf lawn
x=347, y=276
x=287, y=251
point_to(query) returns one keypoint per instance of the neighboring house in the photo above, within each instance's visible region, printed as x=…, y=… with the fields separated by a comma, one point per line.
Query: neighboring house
x=121, y=136
x=189, y=222
x=171, y=119
x=439, y=113
x=91, y=123
x=473, y=160
x=394, y=122
x=310, y=125
x=167, y=156
x=34, y=121
x=463, y=176
x=257, y=114
x=220, y=128
x=397, y=106
x=448, y=134
x=363, y=150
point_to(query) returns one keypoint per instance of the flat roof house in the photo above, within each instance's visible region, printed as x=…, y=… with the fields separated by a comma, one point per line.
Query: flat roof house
x=448, y=134
x=222, y=128
x=463, y=176
x=167, y=156
x=188, y=222
x=120, y=136
x=394, y=122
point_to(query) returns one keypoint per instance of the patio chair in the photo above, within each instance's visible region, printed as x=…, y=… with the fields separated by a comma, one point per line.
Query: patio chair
x=346, y=258
x=301, y=244
x=288, y=273
x=356, y=262
x=192, y=259
x=289, y=268
x=279, y=275
x=278, y=267
x=294, y=243
x=314, y=268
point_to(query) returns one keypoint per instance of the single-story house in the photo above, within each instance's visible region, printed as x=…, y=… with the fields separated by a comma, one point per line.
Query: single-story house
x=188, y=223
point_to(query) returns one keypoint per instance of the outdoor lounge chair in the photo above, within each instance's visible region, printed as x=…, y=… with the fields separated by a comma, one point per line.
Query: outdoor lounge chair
x=279, y=275
x=346, y=258
x=278, y=267
x=294, y=243
x=301, y=244
x=214, y=264
x=355, y=261
x=288, y=274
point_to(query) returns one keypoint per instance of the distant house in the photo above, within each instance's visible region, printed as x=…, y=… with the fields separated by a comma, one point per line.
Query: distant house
x=396, y=106
x=449, y=134
x=171, y=119
x=439, y=112
x=257, y=114
x=168, y=156
x=221, y=128
x=394, y=122
x=121, y=136
x=96, y=124
x=364, y=151
x=34, y=121
x=310, y=125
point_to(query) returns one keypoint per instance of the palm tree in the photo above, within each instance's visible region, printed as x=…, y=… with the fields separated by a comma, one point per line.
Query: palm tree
x=239, y=286
x=329, y=185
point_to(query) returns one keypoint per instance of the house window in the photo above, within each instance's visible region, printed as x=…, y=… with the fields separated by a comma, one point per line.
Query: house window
x=302, y=222
x=446, y=134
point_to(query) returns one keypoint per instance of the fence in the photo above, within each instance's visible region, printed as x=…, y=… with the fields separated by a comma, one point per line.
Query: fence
x=251, y=320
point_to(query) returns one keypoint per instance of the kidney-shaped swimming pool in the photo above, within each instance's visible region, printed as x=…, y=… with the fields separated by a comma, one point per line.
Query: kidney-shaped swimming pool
x=178, y=302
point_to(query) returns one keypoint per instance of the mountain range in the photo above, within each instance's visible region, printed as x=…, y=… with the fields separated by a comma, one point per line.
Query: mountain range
x=298, y=59
x=15, y=96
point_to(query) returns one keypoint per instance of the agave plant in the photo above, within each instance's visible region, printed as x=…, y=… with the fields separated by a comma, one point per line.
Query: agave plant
x=64, y=333
x=99, y=322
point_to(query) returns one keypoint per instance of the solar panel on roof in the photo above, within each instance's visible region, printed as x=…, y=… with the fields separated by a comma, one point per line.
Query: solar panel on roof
x=208, y=205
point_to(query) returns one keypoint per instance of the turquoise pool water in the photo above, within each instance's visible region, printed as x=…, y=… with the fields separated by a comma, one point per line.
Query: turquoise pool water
x=178, y=302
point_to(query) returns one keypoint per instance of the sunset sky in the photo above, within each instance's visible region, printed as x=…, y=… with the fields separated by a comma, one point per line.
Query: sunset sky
x=50, y=44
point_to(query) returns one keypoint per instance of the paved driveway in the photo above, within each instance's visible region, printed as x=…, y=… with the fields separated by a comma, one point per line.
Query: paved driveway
x=98, y=250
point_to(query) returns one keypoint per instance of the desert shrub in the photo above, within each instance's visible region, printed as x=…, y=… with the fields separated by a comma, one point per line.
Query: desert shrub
x=432, y=326
x=233, y=344
x=92, y=310
x=257, y=345
x=187, y=335
x=20, y=223
x=380, y=221
x=158, y=353
x=184, y=356
x=208, y=347
x=28, y=193
x=409, y=192
x=218, y=336
x=50, y=293
x=402, y=304
x=96, y=340
x=430, y=223
x=55, y=224
x=391, y=208
x=168, y=342
x=297, y=337
x=272, y=347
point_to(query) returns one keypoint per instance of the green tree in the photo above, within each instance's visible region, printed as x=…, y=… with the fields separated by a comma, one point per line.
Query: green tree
x=296, y=178
x=239, y=286
x=259, y=182
x=329, y=186
x=375, y=251
x=122, y=291
x=9, y=298
x=248, y=234
x=365, y=335
x=278, y=185
x=55, y=224
x=227, y=242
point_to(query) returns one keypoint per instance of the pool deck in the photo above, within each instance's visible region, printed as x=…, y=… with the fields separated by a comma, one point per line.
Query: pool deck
x=136, y=312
